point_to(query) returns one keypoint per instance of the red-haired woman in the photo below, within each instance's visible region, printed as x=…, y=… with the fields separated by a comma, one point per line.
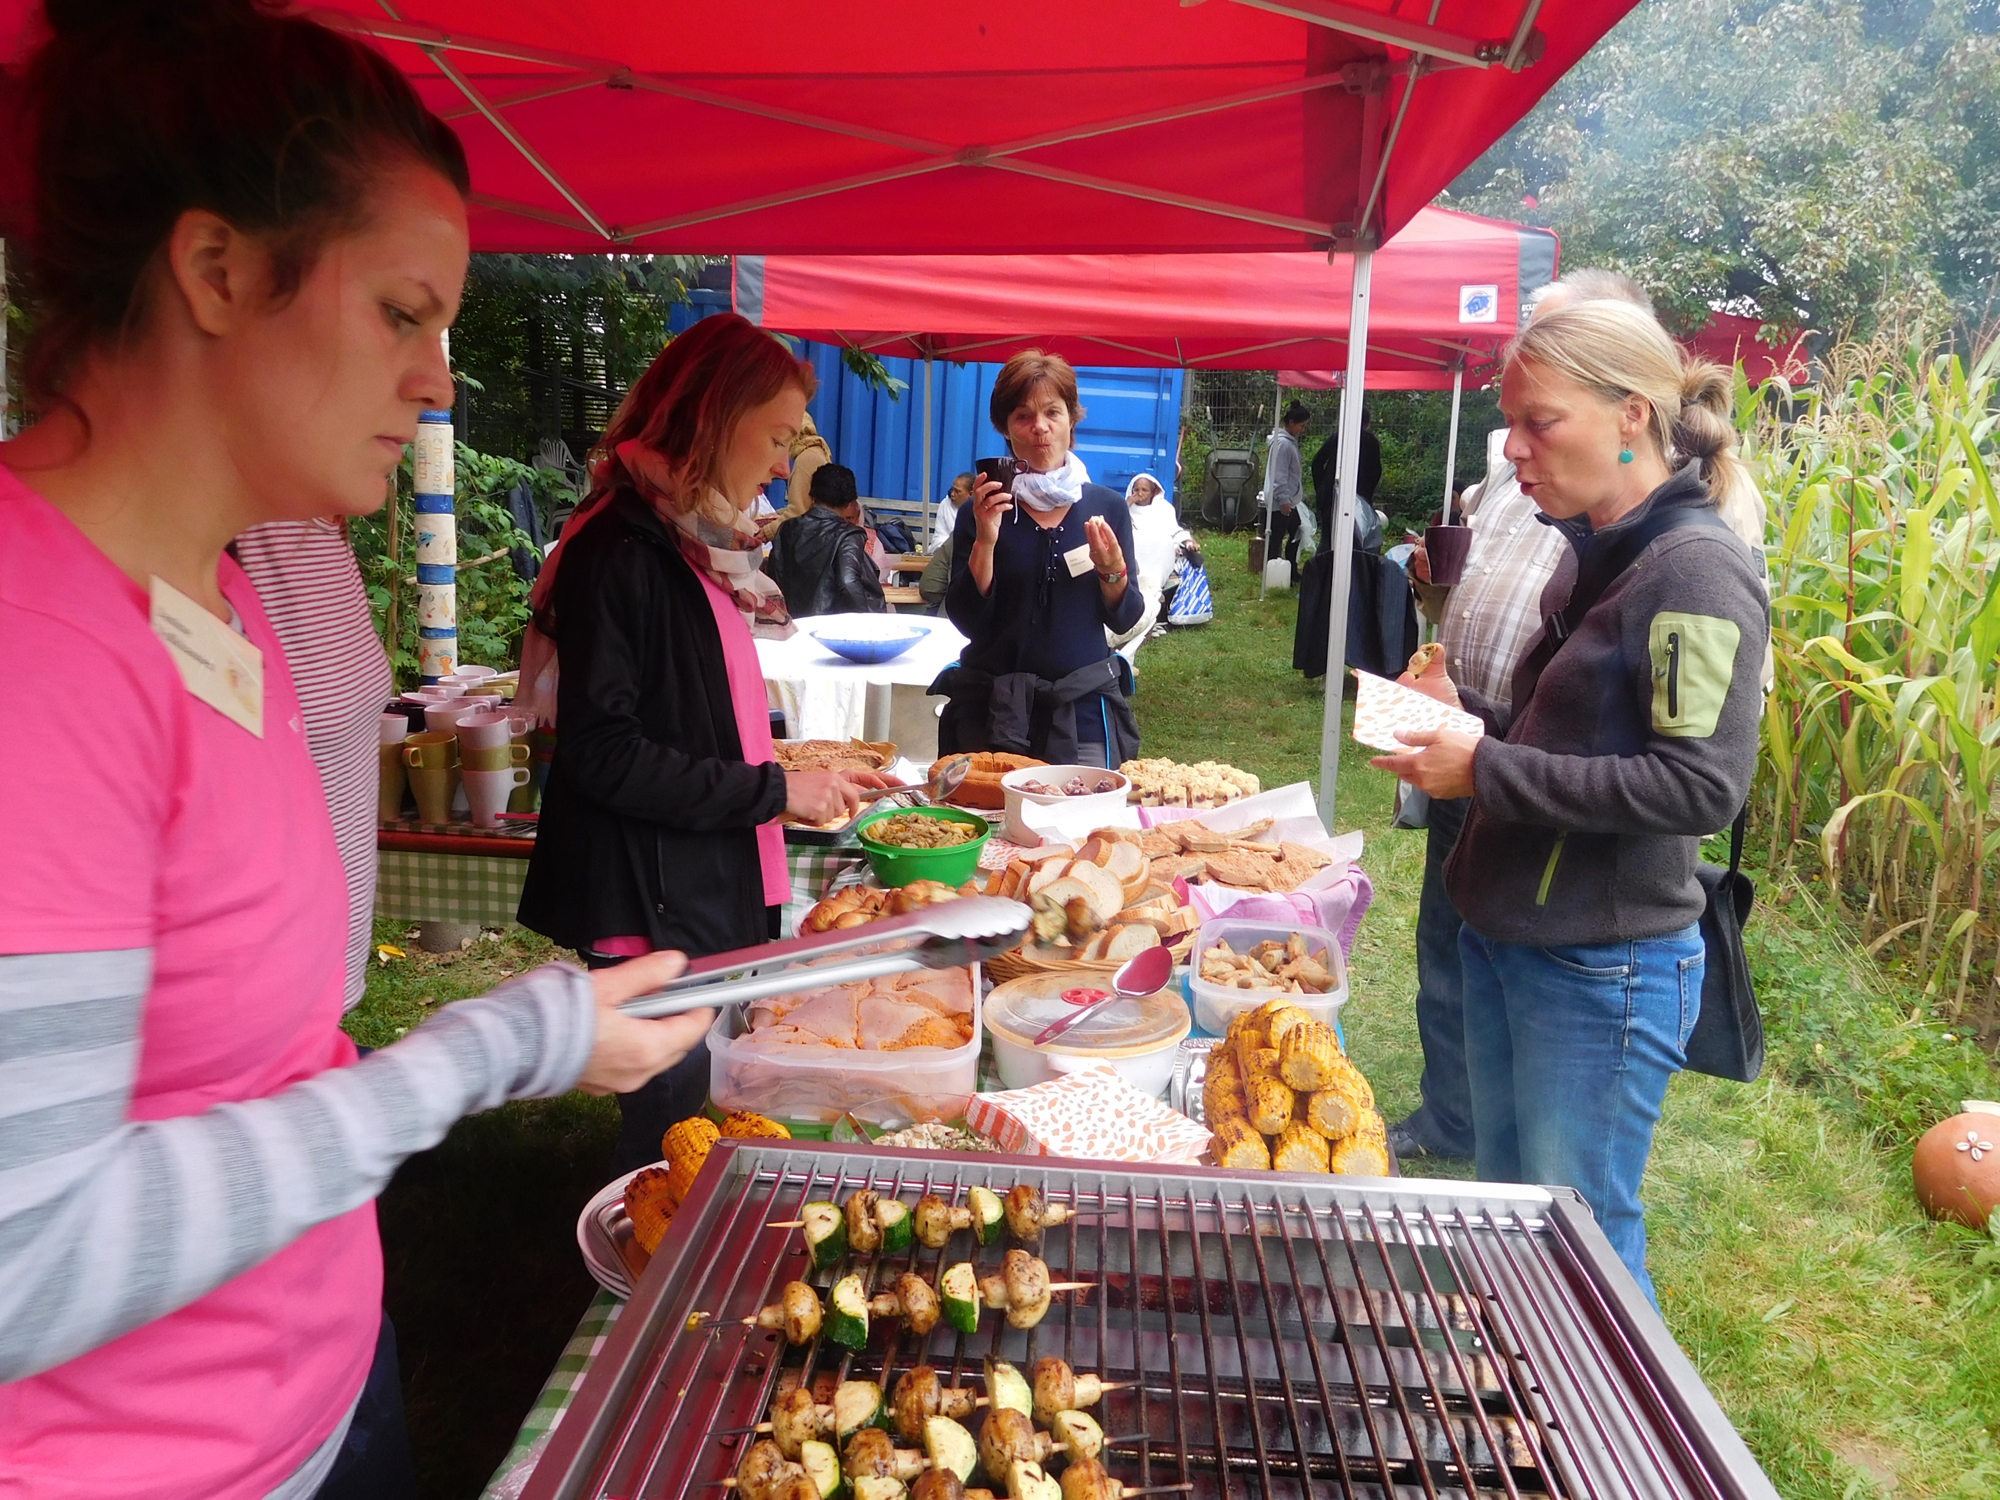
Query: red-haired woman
x=658, y=822
x=1038, y=575
x=249, y=235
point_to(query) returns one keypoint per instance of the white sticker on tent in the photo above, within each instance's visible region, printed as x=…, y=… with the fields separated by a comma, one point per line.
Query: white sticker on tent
x=1479, y=304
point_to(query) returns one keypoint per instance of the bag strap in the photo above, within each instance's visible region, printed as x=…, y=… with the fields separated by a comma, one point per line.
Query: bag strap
x=1736, y=839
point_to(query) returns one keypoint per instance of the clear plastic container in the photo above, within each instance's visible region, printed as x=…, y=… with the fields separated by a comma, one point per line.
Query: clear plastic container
x=1215, y=1007
x=816, y=1085
x=1137, y=1037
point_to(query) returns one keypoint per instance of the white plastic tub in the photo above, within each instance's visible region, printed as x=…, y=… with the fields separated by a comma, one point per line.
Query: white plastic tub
x=1215, y=1007
x=817, y=1085
x=1013, y=788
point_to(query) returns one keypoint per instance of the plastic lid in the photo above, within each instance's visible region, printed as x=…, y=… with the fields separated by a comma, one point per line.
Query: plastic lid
x=1022, y=1009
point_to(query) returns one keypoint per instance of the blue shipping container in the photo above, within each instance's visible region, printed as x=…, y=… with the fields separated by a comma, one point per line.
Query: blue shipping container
x=1131, y=421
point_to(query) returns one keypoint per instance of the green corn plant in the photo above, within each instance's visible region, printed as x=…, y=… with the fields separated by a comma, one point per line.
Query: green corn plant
x=1881, y=754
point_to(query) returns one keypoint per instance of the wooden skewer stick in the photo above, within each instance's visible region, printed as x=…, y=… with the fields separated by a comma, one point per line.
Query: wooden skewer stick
x=1068, y=1214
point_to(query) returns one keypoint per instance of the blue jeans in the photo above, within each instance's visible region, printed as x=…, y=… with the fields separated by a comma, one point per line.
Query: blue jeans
x=1443, y=1122
x=1570, y=1050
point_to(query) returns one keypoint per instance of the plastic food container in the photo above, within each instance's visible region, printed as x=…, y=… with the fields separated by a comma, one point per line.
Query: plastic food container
x=1012, y=788
x=1139, y=1038
x=815, y=1086
x=897, y=866
x=1215, y=1007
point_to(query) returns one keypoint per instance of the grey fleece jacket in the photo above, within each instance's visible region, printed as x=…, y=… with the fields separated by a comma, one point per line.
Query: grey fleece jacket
x=1639, y=738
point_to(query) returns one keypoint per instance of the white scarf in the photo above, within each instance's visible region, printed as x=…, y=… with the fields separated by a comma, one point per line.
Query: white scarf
x=1054, y=490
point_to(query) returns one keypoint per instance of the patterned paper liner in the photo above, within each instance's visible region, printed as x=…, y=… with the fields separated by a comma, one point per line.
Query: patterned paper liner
x=1382, y=707
x=1093, y=1114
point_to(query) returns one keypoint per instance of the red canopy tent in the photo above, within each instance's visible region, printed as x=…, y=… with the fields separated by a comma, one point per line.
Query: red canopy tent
x=1040, y=126
x=1447, y=292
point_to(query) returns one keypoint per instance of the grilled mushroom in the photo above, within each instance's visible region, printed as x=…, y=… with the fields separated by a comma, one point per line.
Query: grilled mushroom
x=797, y=1420
x=911, y=1298
x=1085, y=1479
x=873, y=1454
x=766, y=1474
x=1008, y=1437
x=921, y=1395
x=1029, y=1213
x=937, y=1219
x=942, y=1484
x=1022, y=1288
x=864, y=1234
x=796, y=1312
x=1059, y=1388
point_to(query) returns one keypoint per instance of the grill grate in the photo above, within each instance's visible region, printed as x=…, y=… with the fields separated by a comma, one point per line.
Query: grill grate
x=1285, y=1338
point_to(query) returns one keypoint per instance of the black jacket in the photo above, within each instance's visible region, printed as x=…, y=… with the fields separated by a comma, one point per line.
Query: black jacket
x=1028, y=715
x=1381, y=615
x=822, y=564
x=649, y=816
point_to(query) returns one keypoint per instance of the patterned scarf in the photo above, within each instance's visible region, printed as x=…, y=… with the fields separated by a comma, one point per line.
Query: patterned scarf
x=718, y=540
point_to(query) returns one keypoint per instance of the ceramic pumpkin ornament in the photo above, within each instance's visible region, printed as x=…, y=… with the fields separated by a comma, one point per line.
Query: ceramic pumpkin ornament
x=1957, y=1168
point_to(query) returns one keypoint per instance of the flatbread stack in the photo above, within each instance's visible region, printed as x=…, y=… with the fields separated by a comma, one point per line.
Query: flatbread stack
x=1190, y=850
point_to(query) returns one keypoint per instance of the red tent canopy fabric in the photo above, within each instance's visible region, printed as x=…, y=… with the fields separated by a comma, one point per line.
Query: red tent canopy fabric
x=1448, y=287
x=1728, y=339
x=899, y=126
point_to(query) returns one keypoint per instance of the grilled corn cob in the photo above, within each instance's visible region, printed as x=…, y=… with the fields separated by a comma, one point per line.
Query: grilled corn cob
x=680, y=1179
x=1269, y=1104
x=1337, y=1111
x=1286, y=1020
x=1237, y=1145
x=689, y=1140
x=1309, y=1056
x=745, y=1126
x=1298, y=1149
x=1360, y=1156
x=1222, y=1090
x=648, y=1208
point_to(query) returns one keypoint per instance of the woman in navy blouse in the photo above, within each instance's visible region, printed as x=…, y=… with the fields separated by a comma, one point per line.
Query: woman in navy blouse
x=1038, y=575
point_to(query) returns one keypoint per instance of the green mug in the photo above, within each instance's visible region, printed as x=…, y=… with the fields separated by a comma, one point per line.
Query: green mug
x=433, y=788
x=494, y=758
x=435, y=750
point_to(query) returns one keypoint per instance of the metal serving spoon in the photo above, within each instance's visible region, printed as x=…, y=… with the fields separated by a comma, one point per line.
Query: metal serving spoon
x=1140, y=975
x=940, y=787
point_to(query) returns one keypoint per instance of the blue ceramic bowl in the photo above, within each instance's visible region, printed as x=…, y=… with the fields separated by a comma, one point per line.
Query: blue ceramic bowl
x=871, y=649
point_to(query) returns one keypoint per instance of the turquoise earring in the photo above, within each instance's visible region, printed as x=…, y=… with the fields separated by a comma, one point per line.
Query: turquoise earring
x=1624, y=455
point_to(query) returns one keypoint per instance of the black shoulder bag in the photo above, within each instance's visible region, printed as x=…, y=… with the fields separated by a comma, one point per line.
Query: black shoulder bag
x=1728, y=1036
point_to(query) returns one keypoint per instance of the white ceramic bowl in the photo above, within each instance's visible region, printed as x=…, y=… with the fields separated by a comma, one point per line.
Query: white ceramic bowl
x=1013, y=787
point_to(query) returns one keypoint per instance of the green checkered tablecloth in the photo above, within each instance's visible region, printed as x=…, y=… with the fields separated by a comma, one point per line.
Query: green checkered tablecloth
x=480, y=888
x=557, y=1392
x=411, y=887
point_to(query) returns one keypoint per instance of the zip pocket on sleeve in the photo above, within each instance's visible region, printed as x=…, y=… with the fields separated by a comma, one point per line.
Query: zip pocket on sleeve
x=1549, y=870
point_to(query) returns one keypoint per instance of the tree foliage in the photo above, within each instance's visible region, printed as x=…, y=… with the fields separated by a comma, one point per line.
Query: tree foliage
x=1831, y=165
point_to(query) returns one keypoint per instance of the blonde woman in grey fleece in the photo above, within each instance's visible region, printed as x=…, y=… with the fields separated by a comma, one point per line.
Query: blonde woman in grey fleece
x=1632, y=733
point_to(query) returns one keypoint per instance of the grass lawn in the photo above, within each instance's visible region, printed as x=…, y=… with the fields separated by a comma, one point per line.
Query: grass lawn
x=1855, y=1345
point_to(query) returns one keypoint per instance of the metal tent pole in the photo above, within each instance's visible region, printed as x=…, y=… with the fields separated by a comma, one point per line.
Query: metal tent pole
x=1349, y=459
x=930, y=490
x=1451, y=442
x=1277, y=421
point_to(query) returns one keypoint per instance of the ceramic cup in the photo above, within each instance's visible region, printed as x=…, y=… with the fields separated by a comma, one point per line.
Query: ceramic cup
x=445, y=716
x=488, y=791
x=433, y=789
x=440, y=690
x=389, y=779
x=482, y=729
x=1447, y=547
x=395, y=728
x=469, y=671
x=492, y=757
x=433, y=750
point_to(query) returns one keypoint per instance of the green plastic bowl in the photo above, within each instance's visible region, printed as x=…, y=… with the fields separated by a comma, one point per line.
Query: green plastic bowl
x=897, y=866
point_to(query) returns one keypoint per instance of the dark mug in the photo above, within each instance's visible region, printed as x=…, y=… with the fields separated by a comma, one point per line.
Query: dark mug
x=1000, y=470
x=1447, y=547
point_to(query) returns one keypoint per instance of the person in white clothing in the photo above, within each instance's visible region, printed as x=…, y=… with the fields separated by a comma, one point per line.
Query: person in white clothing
x=947, y=510
x=1158, y=540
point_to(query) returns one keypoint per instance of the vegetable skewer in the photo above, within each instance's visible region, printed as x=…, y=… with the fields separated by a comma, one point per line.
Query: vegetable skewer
x=1007, y=1438
x=1021, y=1288
x=1085, y=1479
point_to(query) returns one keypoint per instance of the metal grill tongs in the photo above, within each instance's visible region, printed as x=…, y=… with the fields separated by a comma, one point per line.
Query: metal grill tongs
x=945, y=936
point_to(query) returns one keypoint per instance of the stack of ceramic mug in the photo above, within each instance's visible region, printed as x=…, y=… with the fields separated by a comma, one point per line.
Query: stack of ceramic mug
x=471, y=754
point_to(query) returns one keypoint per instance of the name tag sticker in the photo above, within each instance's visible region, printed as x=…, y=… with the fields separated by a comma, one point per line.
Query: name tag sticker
x=216, y=664
x=1077, y=559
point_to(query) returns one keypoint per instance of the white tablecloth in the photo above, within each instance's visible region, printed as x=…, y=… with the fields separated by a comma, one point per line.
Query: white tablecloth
x=826, y=696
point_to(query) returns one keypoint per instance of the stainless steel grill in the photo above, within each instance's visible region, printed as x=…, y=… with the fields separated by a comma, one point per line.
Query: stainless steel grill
x=1286, y=1337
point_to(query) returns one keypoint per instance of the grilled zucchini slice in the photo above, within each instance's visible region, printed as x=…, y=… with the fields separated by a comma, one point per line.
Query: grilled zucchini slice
x=847, y=1313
